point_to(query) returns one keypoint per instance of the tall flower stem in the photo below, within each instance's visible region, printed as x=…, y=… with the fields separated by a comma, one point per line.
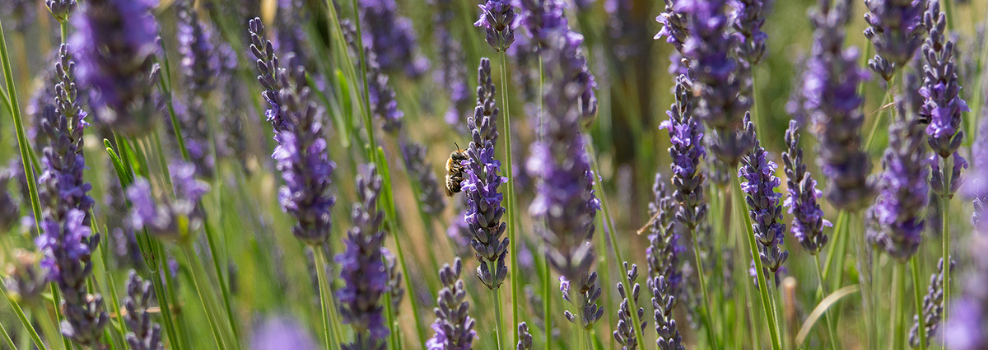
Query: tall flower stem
x=199, y=284
x=495, y=292
x=547, y=301
x=945, y=233
x=512, y=215
x=330, y=321
x=610, y=232
x=821, y=292
x=763, y=286
x=707, y=311
x=881, y=113
x=914, y=266
x=899, y=281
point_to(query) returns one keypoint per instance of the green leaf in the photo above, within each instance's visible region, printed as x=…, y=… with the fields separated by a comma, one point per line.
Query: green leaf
x=822, y=308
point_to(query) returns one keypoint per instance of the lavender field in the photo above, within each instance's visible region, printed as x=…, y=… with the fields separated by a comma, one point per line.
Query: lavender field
x=493, y=174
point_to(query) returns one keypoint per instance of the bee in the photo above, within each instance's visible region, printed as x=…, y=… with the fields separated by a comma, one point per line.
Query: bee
x=454, y=171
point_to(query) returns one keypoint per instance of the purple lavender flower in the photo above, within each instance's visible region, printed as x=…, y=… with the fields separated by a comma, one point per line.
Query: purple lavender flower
x=301, y=154
x=363, y=268
x=674, y=25
x=966, y=329
x=548, y=27
x=664, y=302
x=524, y=337
x=395, y=289
x=452, y=73
x=171, y=219
x=722, y=103
x=391, y=37
x=384, y=105
x=663, y=251
x=896, y=30
x=807, y=217
x=830, y=85
x=625, y=332
x=281, y=333
x=481, y=183
x=763, y=203
x=430, y=198
x=976, y=187
x=686, y=136
x=25, y=281
x=498, y=18
x=904, y=189
x=192, y=118
x=588, y=293
x=60, y=9
x=932, y=307
x=68, y=245
x=200, y=62
x=459, y=234
x=144, y=334
x=115, y=42
x=9, y=208
x=453, y=326
x=943, y=106
x=748, y=18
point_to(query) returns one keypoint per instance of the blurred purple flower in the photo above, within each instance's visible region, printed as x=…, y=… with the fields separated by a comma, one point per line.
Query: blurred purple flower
x=807, y=217
x=144, y=334
x=277, y=333
x=391, y=37
x=896, y=30
x=171, y=219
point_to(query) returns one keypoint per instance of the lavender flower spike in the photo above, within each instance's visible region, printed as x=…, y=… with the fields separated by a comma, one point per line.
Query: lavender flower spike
x=60, y=9
x=115, y=42
x=674, y=25
x=200, y=61
x=832, y=102
x=663, y=251
x=430, y=198
x=453, y=325
x=896, y=30
x=664, y=302
x=175, y=220
x=686, y=136
x=748, y=18
x=904, y=190
x=721, y=102
x=763, y=203
x=391, y=37
x=524, y=337
x=498, y=18
x=625, y=332
x=481, y=182
x=807, y=217
x=278, y=333
x=966, y=328
x=144, y=334
x=301, y=154
x=362, y=268
x=932, y=307
x=588, y=292
x=943, y=106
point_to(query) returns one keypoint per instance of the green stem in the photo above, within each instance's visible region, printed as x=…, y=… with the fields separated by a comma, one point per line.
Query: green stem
x=512, y=213
x=612, y=233
x=821, y=292
x=949, y=9
x=547, y=302
x=899, y=281
x=497, y=314
x=196, y=269
x=759, y=270
x=22, y=143
x=918, y=292
x=20, y=316
x=945, y=214
x=329, y=320
x=369, y=123
x=707, y=311
x=6, y=337
x=840, y=237
x=881, y=114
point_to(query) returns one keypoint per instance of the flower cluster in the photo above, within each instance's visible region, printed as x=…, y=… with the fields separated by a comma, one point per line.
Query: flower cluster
x=383, y=103
x=498, y=19
x=301, y=154
x=588, y=293
x=904, y=187
x=281, y=333
x=722, y=103
x=524, y=337
x=625, y=332
x=686, y=137
x=452, y=72
x=200, y=61
x=60, y=9
x=763, y=203
x=481, y=182
x=807, y=217
x=453, y=326
x=664, y=303
x=943, y=105
x=391, y=37
x=832, y=102
x=663, y=251
x=896, y=30
x=748, y=19
x=932, y=307
x=115, y=42
x=144, y=334
x=674, y=25
x=171, y=219
x=414, y=155
x=362, y=267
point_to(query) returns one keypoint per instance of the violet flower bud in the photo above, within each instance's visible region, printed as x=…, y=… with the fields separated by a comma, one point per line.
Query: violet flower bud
x=453, y=326
x=391, y=37
x=144, y=334
x=932, y=307
x=763, y=203
x=896, y=30
x=498, y=19
x=624, y=333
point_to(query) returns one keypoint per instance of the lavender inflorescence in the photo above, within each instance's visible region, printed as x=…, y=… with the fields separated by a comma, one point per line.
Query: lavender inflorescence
x=899, y=208
x=717, y=82
x=896, y=29
x=833, y=104
x=430, y=197
x=524, y=337
x=115, y=44
x=9, y=208
x=200, y=61
x=391, y=37
x=687, y=151
x=587, y=295
x=144, y=334
x=663, y=252
x=170, y=219
x=452, y=72
x=674, y=24
x=807, y=217
x=453, y=326
x=624, y=334
x=943, y=105
x=664, y=302
x=481, y=182
x=497, y=18
x=25, y=281
x=60, y=9
x=301, y=155
x=764, y=206
x=281, y=333
x=932, y=307
x=363, y=268
x=748, y=19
